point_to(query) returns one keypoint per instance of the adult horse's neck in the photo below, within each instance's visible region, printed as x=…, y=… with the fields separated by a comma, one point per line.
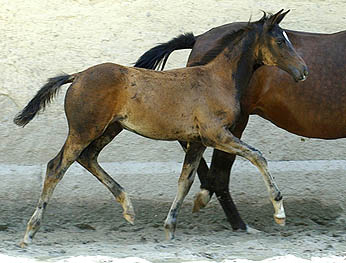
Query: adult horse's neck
x=238, y=60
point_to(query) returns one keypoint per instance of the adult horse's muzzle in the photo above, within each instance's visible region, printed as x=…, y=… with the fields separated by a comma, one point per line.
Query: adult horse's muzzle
x=300, y=74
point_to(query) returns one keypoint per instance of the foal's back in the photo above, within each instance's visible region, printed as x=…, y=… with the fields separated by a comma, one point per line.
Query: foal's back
x=158, y=105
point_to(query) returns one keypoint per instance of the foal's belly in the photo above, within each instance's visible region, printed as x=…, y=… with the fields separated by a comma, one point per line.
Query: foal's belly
x=162, y=128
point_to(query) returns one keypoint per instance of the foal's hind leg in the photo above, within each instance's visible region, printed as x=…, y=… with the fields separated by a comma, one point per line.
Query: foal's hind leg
x=223, y=140
x=192, y=158
x=88, y=159
x=56, y=169
x=217, y=180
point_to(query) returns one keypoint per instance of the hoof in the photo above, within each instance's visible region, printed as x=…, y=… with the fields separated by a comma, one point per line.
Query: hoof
x=129, y=212
x=169, y=234
x=248, y=230
x=251, y=230
x=130, y=218
x=280, y=221
x=169, y=227
x=27, y=240
x=201, y=200
x=279, y=215
x=23, y=244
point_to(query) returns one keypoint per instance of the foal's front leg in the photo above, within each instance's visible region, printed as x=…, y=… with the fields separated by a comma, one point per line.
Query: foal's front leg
x=193, y=156
x=222, y=139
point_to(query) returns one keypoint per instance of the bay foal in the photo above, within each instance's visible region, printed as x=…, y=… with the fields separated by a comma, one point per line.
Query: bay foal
x=198, y=105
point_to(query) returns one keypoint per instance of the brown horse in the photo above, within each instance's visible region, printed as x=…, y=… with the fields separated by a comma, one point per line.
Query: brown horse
x=198, y=105
x=315, y=108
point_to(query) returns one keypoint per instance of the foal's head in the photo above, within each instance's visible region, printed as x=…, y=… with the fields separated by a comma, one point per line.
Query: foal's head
x=275, y=49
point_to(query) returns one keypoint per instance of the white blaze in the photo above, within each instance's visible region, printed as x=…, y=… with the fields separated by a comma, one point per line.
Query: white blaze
x=286, y=37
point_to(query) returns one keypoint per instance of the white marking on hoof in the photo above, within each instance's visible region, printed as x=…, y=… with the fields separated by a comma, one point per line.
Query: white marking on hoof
x=279, y=215
x=202, y=198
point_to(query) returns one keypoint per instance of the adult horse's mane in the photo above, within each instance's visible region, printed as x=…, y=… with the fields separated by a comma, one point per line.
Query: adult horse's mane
x=228, y=40
x=222, y=43
x=157, y=57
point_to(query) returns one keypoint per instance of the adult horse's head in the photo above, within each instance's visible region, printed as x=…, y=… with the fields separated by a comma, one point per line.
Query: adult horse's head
x=275, y=49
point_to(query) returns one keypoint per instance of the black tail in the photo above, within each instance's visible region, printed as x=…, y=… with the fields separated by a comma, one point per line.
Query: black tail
x=154, y=57
x=41, y=99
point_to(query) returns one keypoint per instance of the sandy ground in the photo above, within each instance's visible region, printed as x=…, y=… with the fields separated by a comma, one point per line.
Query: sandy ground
x=83, y=223
x=84, y=220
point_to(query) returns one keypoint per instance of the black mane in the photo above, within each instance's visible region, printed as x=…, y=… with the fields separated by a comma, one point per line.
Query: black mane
x=229, y=38
x=221, y=45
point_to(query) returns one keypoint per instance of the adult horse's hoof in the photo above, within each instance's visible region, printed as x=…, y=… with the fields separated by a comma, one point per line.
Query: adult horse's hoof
x=201, y=200
x=251, y=230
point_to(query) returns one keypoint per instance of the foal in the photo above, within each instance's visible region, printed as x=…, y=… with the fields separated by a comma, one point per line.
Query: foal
x=198, y=105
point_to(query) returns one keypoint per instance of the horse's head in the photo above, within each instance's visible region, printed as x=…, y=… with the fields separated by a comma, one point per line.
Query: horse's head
x=275, y=49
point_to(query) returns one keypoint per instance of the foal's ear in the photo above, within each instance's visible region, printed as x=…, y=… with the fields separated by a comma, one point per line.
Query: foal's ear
x=277, y=18
x=281, y=16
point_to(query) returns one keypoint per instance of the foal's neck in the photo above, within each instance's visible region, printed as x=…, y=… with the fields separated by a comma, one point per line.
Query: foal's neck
x=238, y=60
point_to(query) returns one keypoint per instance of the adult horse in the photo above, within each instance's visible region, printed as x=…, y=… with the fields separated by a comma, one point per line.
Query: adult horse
x=107, y=98
x=315, y=108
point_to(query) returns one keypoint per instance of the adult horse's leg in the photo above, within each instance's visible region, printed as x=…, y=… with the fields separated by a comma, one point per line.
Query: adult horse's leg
x=217, y=180
x=222, y=139
x=193, y=156
x=88, y=159
x=56, y=169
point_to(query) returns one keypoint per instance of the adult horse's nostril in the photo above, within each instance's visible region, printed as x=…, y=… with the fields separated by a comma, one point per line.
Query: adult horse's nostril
x=306, y=72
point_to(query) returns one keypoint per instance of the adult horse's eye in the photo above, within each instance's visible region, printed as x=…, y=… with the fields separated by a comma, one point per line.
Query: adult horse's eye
x=280, y=42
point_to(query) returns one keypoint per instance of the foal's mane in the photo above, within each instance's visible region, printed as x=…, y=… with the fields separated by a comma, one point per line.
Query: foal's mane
x=228, y=39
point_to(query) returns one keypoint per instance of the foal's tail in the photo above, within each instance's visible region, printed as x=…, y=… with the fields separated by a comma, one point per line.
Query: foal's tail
x=42, y=98
x=153, y=58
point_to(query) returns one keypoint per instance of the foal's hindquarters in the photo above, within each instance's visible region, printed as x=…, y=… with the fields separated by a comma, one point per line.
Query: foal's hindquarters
x=107, y=98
